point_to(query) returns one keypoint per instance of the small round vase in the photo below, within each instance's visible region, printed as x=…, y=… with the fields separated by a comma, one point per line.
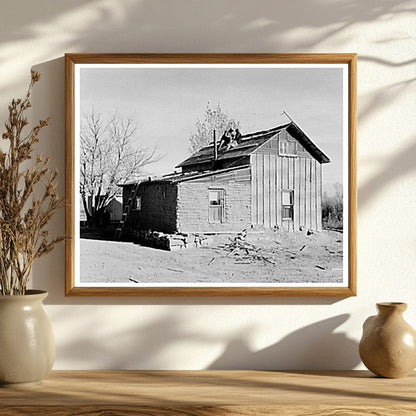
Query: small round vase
x=27, y=347
x=388, y=345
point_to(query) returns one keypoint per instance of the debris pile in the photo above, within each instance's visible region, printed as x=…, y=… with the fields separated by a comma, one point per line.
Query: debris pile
x=244, y=252
x=171, y=242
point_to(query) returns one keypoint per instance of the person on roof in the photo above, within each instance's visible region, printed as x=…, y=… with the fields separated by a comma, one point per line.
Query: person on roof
x=237, y=136
x=225, y=139
x=235, y=140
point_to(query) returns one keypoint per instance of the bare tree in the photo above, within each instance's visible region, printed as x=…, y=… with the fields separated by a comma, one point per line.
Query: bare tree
x=108, y=157
x=214, y=119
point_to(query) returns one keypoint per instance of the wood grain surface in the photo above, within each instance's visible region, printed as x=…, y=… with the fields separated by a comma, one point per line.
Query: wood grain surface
x=72, y=59
x=201, y=393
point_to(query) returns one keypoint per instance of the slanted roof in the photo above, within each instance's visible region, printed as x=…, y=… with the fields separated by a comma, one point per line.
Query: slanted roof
x=307, y=143
x=234, y=157
x=181, y=177
x=251, y=142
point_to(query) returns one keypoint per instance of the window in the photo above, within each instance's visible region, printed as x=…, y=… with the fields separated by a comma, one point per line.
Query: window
x=138, y=203
x=216, y=205
x=215, y=197
x=287, y=148
x=287, y=205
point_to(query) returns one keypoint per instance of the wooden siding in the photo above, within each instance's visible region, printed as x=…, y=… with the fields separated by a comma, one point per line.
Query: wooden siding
x=272, y=173
x=307, y=200
x=319, y=196
x=193, y=202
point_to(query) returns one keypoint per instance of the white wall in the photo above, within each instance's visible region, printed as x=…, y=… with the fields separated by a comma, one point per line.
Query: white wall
x=199, y=333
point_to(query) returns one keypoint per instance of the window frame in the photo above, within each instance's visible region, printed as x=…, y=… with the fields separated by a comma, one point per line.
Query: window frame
x=138, y=203
x=289, y=206
x=285, y=152
x=220, y=206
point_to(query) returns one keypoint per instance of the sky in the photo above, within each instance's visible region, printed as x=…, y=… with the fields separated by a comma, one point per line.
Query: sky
x=167, y=101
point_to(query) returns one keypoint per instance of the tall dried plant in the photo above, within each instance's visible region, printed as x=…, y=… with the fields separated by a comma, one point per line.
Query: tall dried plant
x=28, y=199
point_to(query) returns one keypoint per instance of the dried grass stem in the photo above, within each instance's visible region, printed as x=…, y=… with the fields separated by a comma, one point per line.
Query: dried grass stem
x=23, y=217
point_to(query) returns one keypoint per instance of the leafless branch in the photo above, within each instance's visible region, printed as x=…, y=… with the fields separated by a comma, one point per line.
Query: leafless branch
x=23, y=218
x=109, y=155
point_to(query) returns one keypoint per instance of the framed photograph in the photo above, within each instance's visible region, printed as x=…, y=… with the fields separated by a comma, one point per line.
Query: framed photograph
x=211, y=174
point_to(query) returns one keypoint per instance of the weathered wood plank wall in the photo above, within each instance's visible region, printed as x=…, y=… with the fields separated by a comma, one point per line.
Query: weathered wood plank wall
x=272, y=173
x=319, y=196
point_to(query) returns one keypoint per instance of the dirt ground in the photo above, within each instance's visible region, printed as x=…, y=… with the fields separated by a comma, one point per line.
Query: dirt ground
x=272, y=257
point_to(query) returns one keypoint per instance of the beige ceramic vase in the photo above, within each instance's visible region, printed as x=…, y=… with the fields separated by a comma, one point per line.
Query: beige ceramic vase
x=388, y=344
x=27, y=347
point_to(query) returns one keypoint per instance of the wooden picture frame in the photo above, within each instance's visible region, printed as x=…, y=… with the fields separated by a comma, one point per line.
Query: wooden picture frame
x=186, y=78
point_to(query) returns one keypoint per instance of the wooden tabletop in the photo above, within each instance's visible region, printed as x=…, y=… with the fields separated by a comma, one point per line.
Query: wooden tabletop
x=202, y=393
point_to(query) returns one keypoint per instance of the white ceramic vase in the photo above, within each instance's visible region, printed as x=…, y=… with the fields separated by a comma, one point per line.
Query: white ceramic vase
x=27, y=347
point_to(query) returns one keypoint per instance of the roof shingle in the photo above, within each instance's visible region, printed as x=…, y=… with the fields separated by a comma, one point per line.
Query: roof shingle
x=252, y=141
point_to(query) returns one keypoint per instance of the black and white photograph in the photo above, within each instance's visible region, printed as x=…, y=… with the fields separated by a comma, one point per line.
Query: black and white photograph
x=211, y=175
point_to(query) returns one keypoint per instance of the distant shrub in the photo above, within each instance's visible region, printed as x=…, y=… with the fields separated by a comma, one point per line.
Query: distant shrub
x=333, y=209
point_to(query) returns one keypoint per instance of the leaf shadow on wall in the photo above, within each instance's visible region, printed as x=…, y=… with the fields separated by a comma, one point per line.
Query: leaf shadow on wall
x=152, y=345
x=49, y=271
x=221, y=26
x=244, y=25
x=139, y=346
x=396, y=167
x=313, y=347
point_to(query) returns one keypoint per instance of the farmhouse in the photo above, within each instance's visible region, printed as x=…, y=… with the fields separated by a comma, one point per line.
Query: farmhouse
x=271, y=179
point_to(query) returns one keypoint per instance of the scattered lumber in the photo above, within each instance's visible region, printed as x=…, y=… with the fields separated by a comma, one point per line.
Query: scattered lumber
x=174, y=270
x=244, y=252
